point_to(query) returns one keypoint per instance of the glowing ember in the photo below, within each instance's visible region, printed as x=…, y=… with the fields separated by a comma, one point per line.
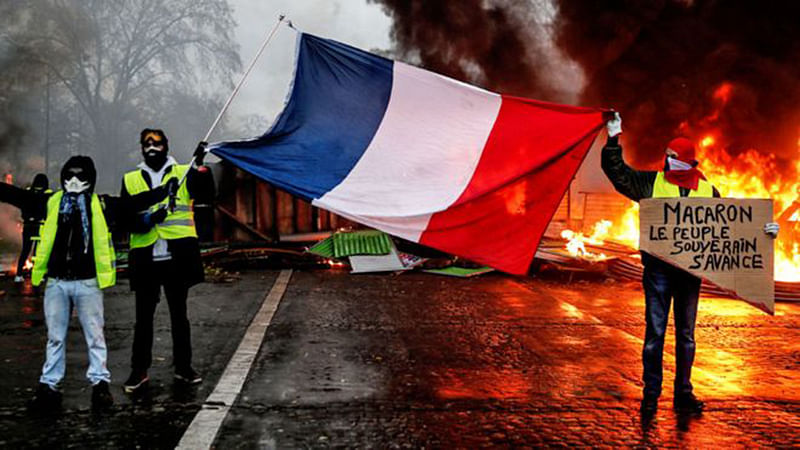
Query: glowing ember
x=334, y=264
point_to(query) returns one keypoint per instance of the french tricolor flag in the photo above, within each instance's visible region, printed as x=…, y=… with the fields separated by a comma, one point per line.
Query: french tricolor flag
x=419, y=155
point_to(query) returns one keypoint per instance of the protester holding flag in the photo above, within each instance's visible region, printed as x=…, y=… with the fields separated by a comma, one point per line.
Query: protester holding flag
x=663, y=282
x=164, y=253
x=77, y=257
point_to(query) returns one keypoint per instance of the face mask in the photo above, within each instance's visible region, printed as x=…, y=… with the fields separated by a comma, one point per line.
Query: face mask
x=154, y=156
x=676, y=164
x=75, y=186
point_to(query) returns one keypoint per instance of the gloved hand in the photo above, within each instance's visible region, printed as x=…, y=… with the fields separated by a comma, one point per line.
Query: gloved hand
x=614, y=126
x=200, y=153
x=772, y=229
x=156, y=216
x=172, y=186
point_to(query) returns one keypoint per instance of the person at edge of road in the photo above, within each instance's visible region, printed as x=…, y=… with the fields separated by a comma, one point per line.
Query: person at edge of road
x=662, y=282
x=76, y=255
x=164, y=253
x=32, y=218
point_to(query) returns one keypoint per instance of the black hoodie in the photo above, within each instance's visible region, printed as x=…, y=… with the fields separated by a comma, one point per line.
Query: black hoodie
x=72, y=257
x=34, y=216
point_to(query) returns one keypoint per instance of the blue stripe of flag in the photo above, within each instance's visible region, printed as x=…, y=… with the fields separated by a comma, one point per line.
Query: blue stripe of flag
x=338, y=100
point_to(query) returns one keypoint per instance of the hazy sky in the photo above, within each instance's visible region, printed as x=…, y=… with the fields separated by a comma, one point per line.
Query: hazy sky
x=354, y=22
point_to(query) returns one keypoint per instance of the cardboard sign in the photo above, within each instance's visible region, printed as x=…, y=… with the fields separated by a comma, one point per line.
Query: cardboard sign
x=719, y=239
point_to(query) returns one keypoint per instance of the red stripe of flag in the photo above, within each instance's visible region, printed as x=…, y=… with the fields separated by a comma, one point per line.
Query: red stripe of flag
x=531, y=156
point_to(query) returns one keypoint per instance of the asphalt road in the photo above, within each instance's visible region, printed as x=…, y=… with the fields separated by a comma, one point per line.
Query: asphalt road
x=416, y=360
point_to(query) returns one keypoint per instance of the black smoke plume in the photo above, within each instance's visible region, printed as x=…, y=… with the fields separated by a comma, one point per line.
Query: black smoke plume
x=660, y=63
x=497, y=45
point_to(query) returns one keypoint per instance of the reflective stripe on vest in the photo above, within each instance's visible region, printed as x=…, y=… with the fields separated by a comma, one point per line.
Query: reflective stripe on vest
x=664, y=189
x=178, y=224
x=104, y=257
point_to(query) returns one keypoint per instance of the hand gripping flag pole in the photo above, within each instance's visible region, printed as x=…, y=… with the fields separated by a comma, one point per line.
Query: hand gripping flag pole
x=246, y=73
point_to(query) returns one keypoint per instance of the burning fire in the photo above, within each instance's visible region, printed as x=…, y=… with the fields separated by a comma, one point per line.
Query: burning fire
x=576, y=241
x=750, y=174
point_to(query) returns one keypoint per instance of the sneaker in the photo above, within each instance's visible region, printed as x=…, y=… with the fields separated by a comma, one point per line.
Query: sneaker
x=688, y=403
x=188, y=376
x=19, y=279
x=137, y=380
x=46, y=399
x=649, y=406
x=101, y=397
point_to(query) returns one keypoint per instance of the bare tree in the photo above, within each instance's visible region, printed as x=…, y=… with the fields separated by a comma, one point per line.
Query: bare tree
x=122, y=62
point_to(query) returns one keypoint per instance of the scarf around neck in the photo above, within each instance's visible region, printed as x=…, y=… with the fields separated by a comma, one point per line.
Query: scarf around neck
x=70, y=204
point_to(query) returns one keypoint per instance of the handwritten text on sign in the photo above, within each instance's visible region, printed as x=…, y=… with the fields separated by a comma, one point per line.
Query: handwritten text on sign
x=705, y=231
x=721, y=240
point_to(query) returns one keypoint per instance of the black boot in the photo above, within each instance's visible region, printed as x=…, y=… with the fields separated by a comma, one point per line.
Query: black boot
x=137, y=380
x=688, y=403
x=101, y=397
x=46, y=399
x=649, y=406
x=188, y=375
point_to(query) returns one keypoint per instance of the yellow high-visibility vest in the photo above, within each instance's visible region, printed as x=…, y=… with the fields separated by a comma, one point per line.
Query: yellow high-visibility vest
x=178, y=224
x=104, y=257
x=664, y=189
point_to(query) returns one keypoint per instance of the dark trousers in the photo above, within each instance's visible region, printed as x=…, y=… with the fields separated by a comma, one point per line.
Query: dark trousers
x=28, y=233
x=663, y=283
x=147, y=298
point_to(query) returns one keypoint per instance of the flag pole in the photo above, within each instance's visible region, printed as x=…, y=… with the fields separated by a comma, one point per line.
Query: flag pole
x=244, y=77
x=235, y=91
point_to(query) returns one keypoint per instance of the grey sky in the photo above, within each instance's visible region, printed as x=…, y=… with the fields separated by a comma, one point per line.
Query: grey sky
x=351, y=21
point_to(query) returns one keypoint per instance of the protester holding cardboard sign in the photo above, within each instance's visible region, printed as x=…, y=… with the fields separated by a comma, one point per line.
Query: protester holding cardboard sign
x=718, y=240
x=681, y=177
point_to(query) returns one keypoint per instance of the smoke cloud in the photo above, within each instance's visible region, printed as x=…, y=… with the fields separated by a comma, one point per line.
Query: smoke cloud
x=502, y=45
x=671, y=67
x=691, y=67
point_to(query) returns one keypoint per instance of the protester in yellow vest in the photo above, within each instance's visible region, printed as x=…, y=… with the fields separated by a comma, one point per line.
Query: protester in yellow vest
x=662, y=282
x=76, y=256
x=164, y=253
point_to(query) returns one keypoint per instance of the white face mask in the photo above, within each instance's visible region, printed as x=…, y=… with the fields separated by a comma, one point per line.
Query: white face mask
x=75, y=186
x=676, y=164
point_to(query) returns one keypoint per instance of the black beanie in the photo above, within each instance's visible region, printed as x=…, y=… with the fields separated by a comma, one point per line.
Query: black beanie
x=85, y=163
x=40, y=182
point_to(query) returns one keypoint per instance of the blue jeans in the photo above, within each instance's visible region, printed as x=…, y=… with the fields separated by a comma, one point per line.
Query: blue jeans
x=663, y=283
x=59, y=298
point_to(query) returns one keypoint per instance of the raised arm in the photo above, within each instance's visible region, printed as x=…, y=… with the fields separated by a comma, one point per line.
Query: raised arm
x=123, y=208
x=629, y=182
x=22, y=198
x=199, y=180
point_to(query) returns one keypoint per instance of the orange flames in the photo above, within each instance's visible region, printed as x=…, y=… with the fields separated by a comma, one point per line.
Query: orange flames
x=750, y=174
x=576, y=242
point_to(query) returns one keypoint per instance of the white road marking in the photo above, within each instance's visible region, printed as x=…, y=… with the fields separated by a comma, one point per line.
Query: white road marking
x=203, y=429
